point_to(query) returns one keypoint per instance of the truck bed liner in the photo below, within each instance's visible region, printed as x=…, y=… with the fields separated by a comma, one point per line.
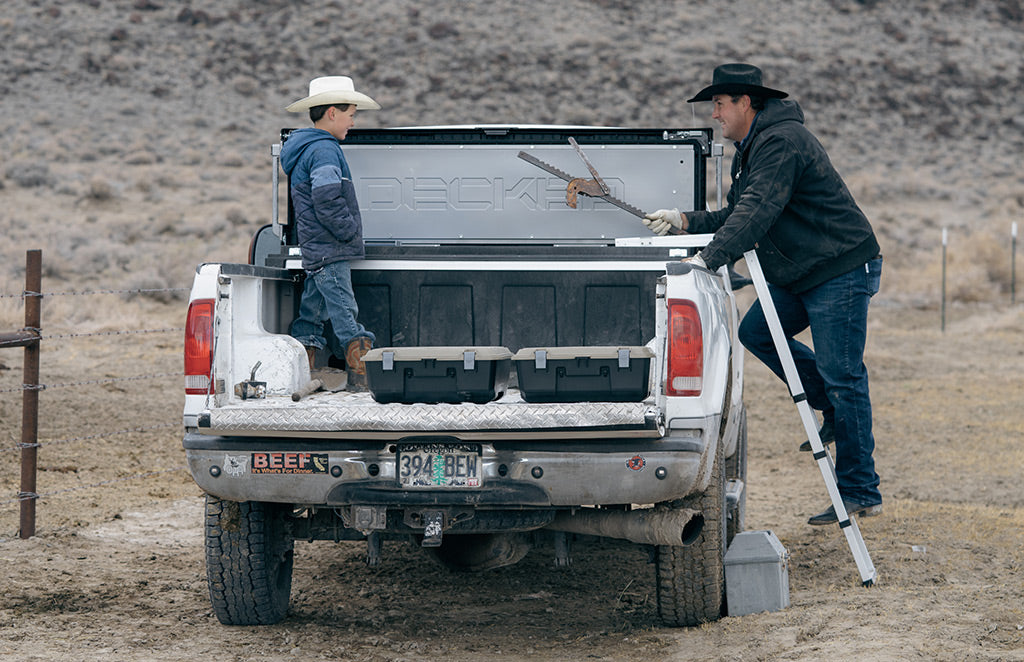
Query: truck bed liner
x=357, y=415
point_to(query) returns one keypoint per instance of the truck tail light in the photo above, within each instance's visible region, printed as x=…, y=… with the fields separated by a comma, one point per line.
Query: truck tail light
x=199, y=347
x=685, y=349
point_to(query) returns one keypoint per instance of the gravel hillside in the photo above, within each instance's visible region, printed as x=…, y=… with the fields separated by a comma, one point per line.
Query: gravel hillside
x=136, y=132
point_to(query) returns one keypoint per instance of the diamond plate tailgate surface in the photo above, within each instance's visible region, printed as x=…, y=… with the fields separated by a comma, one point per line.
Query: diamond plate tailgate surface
x=351, y=413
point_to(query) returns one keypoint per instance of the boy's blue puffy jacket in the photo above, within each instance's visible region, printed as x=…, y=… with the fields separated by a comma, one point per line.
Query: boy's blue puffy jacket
x=327, y=216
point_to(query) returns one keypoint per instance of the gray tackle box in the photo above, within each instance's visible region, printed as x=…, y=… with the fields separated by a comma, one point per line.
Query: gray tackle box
x=437, y=374
x=584, y=374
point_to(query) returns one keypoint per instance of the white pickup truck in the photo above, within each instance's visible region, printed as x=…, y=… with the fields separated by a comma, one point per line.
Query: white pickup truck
x=475, y=255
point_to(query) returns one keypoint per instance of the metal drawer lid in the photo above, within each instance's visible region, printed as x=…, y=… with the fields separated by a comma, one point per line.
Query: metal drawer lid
x=623, y=354
x=467, y=355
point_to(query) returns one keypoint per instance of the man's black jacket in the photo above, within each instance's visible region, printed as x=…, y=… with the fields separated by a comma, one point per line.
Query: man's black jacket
x=790, y=203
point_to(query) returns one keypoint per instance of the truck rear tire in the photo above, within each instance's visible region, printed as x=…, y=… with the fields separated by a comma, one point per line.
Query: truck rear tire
x=249, y=556
x=691, y=580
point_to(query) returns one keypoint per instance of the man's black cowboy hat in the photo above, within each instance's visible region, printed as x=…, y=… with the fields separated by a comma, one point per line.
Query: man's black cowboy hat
x=737, y=78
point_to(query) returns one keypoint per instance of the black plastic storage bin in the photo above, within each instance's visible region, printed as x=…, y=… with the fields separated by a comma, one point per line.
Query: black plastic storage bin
x=437, y=374
x=584, y=374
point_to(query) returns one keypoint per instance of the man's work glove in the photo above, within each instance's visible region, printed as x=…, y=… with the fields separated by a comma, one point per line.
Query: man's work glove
x=697, y=260
x=662, y=221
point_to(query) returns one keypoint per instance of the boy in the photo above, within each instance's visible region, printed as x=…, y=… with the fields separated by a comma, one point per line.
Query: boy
x=328, y=224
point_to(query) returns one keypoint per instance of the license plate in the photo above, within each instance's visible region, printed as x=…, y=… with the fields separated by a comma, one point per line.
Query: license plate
x=439, y=465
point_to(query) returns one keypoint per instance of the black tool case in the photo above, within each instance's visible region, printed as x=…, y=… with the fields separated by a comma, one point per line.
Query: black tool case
x=437, y=374
x=583, y=374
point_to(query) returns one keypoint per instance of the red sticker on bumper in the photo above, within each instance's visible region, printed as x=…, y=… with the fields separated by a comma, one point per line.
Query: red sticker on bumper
x=289, y=463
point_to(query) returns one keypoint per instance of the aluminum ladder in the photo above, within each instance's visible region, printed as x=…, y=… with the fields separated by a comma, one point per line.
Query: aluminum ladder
x=847, y=523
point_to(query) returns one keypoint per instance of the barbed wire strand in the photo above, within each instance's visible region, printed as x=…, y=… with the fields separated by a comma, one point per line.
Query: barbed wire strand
x=22, y=445
x=16, y=342
x=27, y=293
x=25, y=496
x=89, y=382
x=59, y=336
x=128, y=332
x=22, y=295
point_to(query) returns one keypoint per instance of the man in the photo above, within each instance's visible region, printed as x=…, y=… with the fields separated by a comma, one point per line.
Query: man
x=328, y=224
x=819, y=255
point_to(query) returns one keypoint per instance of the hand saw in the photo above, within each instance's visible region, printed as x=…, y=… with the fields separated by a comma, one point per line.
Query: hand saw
x=595, y=188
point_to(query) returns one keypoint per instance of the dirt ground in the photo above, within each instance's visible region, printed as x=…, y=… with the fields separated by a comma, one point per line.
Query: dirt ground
x=116, y=571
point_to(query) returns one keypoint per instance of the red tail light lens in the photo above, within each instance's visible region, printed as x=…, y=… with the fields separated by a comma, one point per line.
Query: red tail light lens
x=685, y=349
x=199, y=347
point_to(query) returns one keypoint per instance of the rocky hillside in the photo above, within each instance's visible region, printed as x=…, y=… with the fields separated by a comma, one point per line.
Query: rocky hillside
x=136, y=132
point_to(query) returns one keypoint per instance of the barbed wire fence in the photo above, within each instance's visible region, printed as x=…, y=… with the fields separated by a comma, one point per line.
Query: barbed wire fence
x=945, y=268
x=30, y=337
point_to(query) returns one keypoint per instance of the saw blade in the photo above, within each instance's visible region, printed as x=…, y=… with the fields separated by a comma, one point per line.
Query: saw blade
x=625, y=206
x=530, y=158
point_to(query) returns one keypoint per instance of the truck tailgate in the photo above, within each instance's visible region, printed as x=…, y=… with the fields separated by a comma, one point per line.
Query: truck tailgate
x=357, y=415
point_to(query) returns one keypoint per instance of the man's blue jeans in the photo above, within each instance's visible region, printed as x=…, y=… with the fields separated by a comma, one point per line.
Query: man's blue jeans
x=833, y=374
x=327, y=295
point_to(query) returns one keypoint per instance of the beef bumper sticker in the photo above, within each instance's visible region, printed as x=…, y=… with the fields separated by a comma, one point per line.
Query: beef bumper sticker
x=289, y=463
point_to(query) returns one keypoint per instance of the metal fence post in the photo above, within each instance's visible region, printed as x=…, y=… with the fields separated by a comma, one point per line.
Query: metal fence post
x=1013, y=263
x=30, y=394
x=945, y=241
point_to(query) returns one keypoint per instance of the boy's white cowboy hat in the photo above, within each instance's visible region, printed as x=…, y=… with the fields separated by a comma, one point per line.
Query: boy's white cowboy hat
x=328, y=90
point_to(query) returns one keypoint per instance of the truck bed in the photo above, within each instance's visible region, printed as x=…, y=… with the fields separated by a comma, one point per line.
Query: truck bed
x=513, y=296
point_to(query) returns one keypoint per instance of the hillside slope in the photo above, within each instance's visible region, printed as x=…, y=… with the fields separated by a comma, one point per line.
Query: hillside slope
x=149, y=120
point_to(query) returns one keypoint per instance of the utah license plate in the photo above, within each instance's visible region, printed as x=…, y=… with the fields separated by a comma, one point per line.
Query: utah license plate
x=439, y=465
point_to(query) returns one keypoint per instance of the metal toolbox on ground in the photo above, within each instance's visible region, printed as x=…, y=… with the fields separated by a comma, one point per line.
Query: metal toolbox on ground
x=756, y=573
x=583, y=374
x=437, y=374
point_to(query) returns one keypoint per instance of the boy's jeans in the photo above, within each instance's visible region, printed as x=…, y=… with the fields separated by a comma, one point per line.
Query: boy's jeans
x=833, y=374
x=327, y=295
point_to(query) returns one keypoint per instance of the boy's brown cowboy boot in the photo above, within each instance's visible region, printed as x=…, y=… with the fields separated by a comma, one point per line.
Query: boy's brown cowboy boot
x=311, y=355
x=354, y=365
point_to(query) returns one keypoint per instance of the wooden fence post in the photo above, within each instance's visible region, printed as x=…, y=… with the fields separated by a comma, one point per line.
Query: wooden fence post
x=30, y=394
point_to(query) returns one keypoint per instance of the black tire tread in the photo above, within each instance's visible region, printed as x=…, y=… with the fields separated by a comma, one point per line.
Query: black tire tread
x=248, y=561
x=691, y=580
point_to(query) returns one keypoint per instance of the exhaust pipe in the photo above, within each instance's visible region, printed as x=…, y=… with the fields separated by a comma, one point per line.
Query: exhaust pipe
x=678, y=527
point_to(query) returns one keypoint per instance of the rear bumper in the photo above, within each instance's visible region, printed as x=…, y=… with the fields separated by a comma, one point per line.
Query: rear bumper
x=555, y=473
